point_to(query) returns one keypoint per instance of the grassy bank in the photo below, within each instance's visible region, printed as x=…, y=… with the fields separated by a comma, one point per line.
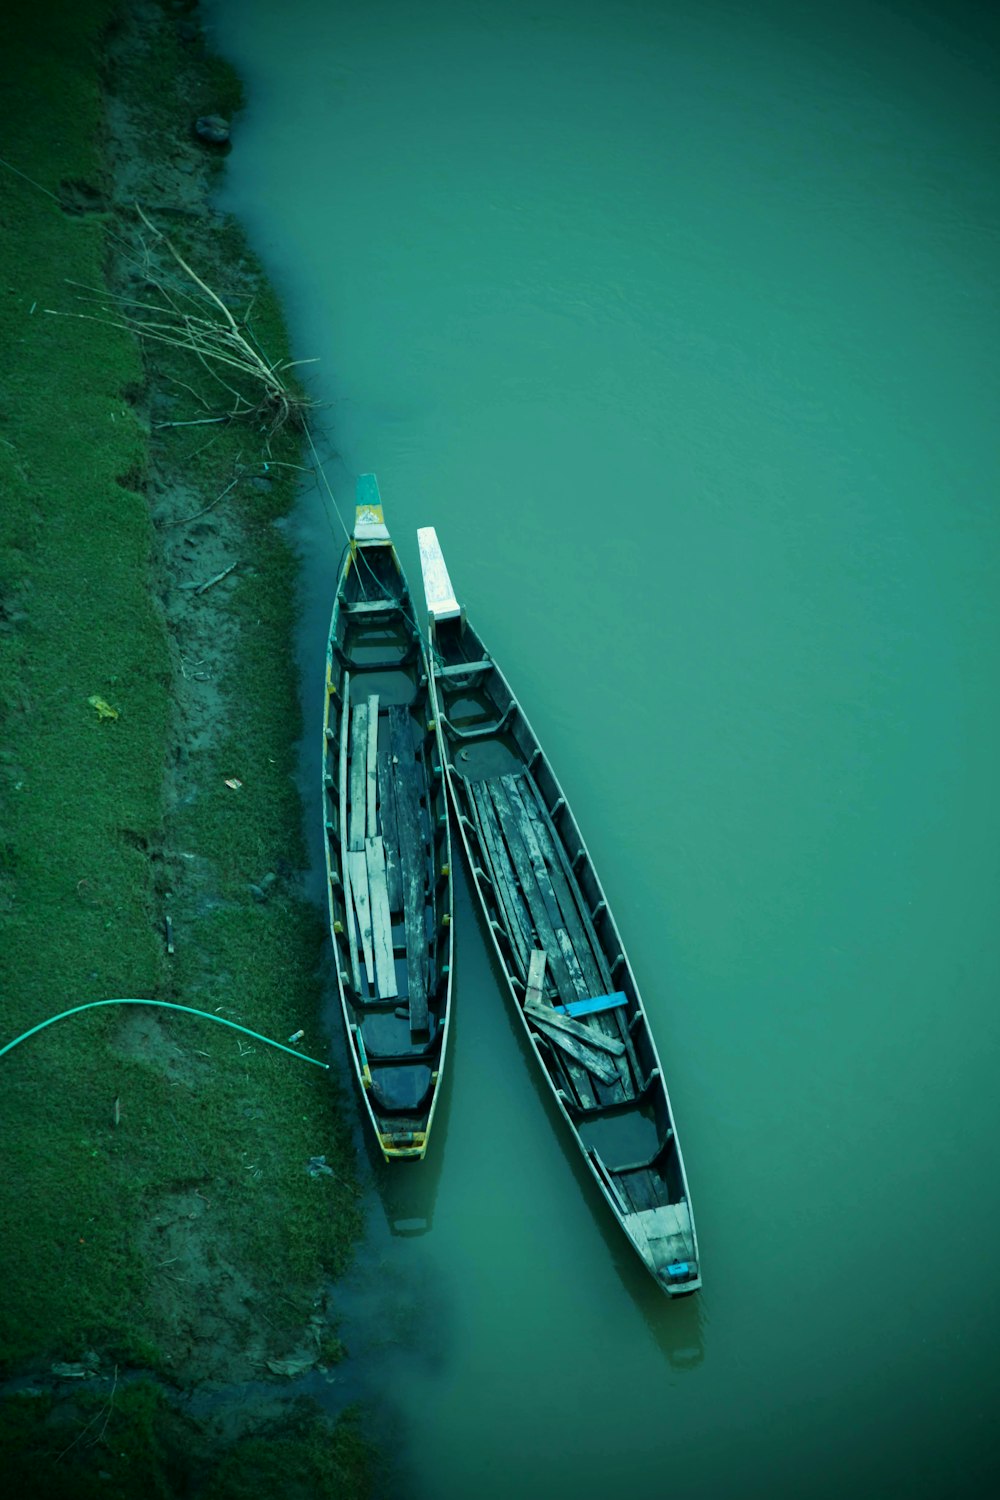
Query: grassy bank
x=158, y=1212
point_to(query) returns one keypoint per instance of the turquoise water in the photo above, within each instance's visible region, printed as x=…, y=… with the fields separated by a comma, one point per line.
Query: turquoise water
x=679, y=323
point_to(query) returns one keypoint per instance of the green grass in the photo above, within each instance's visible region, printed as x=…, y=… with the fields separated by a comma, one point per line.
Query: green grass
x=90, y=1447
x=105, y=1121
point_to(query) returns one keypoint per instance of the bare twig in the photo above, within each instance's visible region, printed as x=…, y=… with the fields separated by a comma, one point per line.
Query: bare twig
x=185, y=520
x=200, y=322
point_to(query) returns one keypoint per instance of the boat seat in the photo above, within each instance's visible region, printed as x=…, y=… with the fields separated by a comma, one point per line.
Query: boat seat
x=401, y=1087
x=368, y=606
x=463, y=668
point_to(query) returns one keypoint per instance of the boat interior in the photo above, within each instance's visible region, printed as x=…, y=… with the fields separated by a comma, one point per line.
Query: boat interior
x=388, y=844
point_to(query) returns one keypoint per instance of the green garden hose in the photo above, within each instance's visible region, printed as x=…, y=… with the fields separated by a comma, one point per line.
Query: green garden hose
x=163, y=1005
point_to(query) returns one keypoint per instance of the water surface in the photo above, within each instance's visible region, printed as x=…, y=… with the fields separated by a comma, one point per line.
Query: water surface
x=679, y=323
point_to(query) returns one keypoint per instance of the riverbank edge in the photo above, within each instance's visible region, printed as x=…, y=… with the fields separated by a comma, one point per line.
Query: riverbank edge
x=170, y=1145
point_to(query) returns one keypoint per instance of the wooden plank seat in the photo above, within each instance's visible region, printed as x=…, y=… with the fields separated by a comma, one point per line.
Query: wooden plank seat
x=481, y=731
x=465, y=669
x=384, y=664
x=369, y=607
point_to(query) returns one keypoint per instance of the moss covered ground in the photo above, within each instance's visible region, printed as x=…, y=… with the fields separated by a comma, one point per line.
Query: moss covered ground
x=158, y=1216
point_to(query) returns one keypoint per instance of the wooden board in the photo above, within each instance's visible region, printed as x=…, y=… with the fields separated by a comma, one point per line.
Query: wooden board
x=387, y=818
x=371, y=822
x=412, y=861
x=595, y=1061
x=536, y=903
x=569, y=915
x=589, y=1034
x=573, y=886
x=359, y=776
x=513, y=911
x=385, y=968
x=358, y=867
x=535, y=991
x=345, y=712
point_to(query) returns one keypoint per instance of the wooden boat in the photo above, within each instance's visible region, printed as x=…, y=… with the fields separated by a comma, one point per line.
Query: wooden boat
x=388, y=846
x=567, y=970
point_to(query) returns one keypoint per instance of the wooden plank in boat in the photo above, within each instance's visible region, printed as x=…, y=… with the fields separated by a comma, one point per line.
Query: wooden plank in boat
x=566, y=904
x=529, y=886
x=574, y=1079
x=589, y=1034
x=345, y=711
x=595, y=1061
x=358, y=867
x=544, y=882
x=359, y=769
x=385, y=967
x=412, y=861
x=587, y=974
x=511, y=900
x=532, y=850
x=570, y=904
x=387, y=817
x=535, y=990
x=588, y=924
x=371, y=824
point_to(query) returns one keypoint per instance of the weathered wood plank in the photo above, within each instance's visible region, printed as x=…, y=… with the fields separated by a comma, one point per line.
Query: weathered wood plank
x=604, y=967
x=544, y=882
x=570, y=903
x=371, y=822
x=568, y=1075
x=589, y=1034
x=412, y=862
x=535, y=991
x=385, y=968
x=595, y=1061
x=358, y=867
x=536, y=905
x=532, y=850
x=387, y=818
x=513, y=909
x=345, y=875
x=359, y=767
x=567, y=907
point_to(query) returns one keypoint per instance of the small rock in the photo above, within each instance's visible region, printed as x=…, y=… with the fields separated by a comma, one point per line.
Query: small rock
x=257, y=892
x=212, y=129
x=260, y=482
x=269, y=880
x=187, y=31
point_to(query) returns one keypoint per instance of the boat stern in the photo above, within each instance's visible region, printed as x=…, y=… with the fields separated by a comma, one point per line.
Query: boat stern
x=664, y=1238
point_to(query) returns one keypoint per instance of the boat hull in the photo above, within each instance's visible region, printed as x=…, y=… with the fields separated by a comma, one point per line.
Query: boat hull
x=567, y=971
x=388, y=845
